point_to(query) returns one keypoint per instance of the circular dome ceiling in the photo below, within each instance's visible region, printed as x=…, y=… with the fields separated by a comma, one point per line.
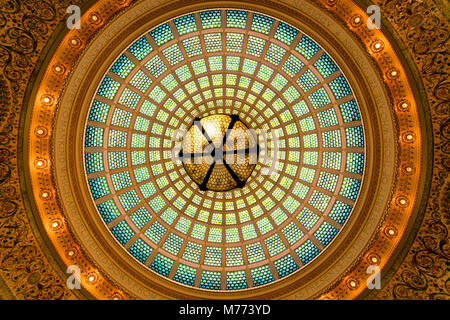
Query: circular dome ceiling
x=275, y=79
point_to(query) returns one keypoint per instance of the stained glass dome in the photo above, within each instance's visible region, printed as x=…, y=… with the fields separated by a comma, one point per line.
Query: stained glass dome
x=273, y=77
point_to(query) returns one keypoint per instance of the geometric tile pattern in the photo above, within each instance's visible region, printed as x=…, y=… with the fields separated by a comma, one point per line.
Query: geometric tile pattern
x=224, y=62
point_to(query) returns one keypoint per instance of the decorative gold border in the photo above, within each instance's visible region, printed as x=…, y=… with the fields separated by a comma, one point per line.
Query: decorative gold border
x=311, y=275
x=409, y=149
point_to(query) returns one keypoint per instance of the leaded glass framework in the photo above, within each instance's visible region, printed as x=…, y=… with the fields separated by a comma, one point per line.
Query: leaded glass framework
x=273, y=77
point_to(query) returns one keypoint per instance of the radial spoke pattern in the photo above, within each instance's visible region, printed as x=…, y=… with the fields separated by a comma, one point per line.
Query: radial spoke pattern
x=201, y=164
x=224, y=62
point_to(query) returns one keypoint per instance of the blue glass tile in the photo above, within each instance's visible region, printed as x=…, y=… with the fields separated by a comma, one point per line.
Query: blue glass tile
x=236, y=280
x=355, y=163
x=185, y=275
x=161, y=265
x=129, y=200
x=99, y=187
x=285, y=33
x=349, y=111
x=355, y=136
x=285, y=266
x=108, y=88
x=122, y=232
x=210, y=19
x=340, y=87
x=307, y=80
x=141, y=217
x=325, y=65
x=319, y=98
x=140, y=49
x=210, y=280
x=108, y=210
x=307, y=47
x=162, y=34
x=261, y=275
x=94, y=162
x=261, y=24
x=185, y=24
x=140, y=250
x=99, y=111
x=307, y=251
x=350, y=188
x=122, y=67
x=340, y=212
x=236, y=19
x=325, y=233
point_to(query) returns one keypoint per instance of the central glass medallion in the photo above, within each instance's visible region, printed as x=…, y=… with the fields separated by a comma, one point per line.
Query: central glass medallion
x=219, y=152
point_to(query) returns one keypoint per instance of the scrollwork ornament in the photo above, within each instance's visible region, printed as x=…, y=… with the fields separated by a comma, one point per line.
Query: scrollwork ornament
x=425, y=271
x=24, y=29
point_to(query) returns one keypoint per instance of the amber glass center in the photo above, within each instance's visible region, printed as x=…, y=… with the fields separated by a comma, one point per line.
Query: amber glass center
x=219, y=152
